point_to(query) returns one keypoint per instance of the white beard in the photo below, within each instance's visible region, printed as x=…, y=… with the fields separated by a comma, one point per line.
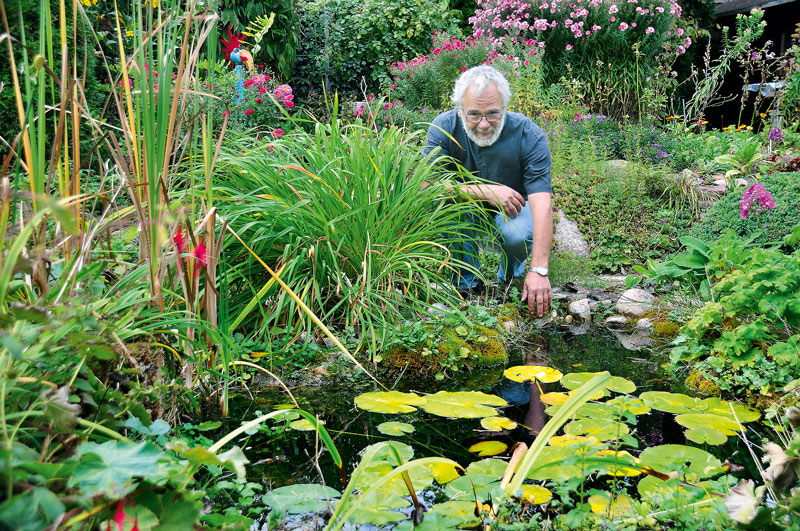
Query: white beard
x=485, y=141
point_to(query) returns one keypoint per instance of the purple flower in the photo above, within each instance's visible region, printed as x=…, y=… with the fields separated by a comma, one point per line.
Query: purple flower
x=754, y=200
x=775, y=135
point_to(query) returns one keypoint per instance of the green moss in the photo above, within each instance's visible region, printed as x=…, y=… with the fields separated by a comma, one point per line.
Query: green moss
x=698, y=382
x=666, y=329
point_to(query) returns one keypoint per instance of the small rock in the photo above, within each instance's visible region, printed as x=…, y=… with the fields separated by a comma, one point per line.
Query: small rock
x=634, y=341
x=721, y=182
x=328, y=342
x=509, y=325
x=644, y=323
x=438, y=309
x=580, y=308
x=558, y=294
x=616, y=321
x=635, y=302
x=568, y=319
x=605, y=303
x=618, y=164
x=580, y=329
x=741, y=183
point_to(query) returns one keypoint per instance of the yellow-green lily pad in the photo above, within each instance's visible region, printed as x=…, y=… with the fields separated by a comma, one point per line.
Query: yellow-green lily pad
x=498, y=423
x=617, y=384
x=706, y=435
x=740, y=412
x=569, y=439
x=673, y=402
x=395, y=429
x=304, y=425
x=488, y=467
x=530, y=373
x=464, y=511
x=603, y=429
x=704, y=420
x=462, y=405
x=389, y=402
x=443, y=472
x=488, y=448
x=534, y=494
x=680, y=458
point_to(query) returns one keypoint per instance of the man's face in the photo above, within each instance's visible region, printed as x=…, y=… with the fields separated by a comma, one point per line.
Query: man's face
x=483, y=130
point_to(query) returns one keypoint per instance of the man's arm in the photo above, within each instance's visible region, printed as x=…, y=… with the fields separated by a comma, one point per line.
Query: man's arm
x=537, y=290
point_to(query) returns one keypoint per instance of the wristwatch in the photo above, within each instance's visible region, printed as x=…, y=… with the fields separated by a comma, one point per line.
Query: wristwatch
x=542, y=271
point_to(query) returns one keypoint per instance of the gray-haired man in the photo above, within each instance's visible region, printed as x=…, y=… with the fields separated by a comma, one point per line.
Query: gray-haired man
x=508, y=150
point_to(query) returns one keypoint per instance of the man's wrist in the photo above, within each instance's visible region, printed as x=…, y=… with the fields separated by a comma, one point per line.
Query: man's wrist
x=542, y=271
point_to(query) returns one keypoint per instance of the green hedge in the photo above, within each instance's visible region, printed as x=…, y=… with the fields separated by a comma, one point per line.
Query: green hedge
x=774, y=224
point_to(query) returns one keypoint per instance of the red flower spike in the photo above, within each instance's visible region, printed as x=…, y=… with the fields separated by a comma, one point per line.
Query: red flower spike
x=178, y=238
x=199, y=253
x=119, y=516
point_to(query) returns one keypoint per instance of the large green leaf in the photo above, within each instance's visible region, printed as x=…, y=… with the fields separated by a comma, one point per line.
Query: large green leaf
x=673, y=402
x=389, y=402
x=706, y=435
x=463, y=405
x=109, y=469
x=617, y=384
x=301, y=498
x=395, y=429
x=377, y=508
x=740, y=412
x=703, y=420
x=603, y=429
x=683, y=459
x=32, y=510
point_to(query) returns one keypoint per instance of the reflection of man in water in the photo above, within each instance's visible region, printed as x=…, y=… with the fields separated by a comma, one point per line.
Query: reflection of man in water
x=521, y=393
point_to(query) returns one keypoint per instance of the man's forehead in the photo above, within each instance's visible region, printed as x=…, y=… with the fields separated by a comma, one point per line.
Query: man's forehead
x=489, y=97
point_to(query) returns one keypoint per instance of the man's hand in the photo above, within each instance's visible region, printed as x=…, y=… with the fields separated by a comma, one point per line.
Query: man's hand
x=506, y=198
x=537, y=292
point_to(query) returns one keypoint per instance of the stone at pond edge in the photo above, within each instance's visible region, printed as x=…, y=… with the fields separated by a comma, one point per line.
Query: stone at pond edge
x=581, y=309
x=644, y=324
x=568, y=238
x=635, y=302
x=616, y=322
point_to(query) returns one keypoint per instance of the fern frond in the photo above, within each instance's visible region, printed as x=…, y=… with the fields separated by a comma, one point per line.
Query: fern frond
x=258, y=29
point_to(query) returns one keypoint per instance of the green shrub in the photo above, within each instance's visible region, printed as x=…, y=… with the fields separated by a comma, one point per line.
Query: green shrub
x=773, y=224
x=350, y=39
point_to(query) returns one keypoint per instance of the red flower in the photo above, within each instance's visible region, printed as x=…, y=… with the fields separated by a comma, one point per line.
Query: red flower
x=119, y=516
x=178, y=238
x=277, y=133
x=199, y=254
x=258, y=100
x=262, y=90
x=248, y=112
x=289, y=104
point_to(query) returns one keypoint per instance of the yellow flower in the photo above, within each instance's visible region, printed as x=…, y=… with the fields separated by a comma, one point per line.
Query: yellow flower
x=763, y=115
x=129, y=33
x=726, y=128
x=704, y=122
x=89, y=3
x=669, y=117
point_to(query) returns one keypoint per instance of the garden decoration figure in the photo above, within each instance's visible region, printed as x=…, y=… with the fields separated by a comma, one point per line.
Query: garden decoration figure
x=510, y=153
x=240, y=57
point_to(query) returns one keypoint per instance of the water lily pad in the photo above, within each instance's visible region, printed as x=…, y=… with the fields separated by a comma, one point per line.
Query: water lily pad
x=679, y=458
x=463, y=511
x=385, y=453
x=554, y=399
x=300, y=498
x=389, y=402
x=742, y=413
x=620, y=463
x=603, y=429
x=558, y=463
x=377, y=508
x=706, y=435
x=462, y=405
x=467, y=487
x=672, y=493
x=434, y=521
x=395, y=429
x=535, y=494
x=530, y=373
x=304, y=425
x=699, y=420
x=629, y=404
x=443, y=472
x=487, y=448
x=617, y=384
x=569, y=439
x=616, y=507
x=673, y=402
x=498, y=423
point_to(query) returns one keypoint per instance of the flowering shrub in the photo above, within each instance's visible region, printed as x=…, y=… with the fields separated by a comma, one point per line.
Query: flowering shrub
x=385, y=113
x=426, y=80
x=613, y=46
x=263, y=103
x=754, y=200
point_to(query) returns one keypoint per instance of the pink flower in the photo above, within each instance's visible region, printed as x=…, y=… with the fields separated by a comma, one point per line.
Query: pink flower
x=612, y=19
x=463, y=68
x=613, y=9
x=623, y=26
x=754, y=200
x=262, y=91
x=225, y=113
x=289, y=104
x=649, y=30
x=199, y=254
x=277, y=133
x=248, y=112
x=568, y=47
x=270, y=148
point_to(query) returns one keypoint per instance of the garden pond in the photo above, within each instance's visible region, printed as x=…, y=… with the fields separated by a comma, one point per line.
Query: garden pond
x=619, y=457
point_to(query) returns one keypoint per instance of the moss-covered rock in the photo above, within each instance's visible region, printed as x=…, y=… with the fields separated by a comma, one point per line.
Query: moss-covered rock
x=666, y=329
x=698, y=382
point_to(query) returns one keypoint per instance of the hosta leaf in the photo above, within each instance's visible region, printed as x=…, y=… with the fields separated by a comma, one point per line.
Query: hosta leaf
x=498, y=423
x=389, y=402
x=535, y=494
x=300, y=498
x=617, y=384
x=600, y=428
x=679, y=458
x=395, y=429
x=740, y=412
x=465, y=404
x=703, y=420
x=109, y=468
x=487, y=448
x=706, y=435
x=530, y=373
x=673, y=402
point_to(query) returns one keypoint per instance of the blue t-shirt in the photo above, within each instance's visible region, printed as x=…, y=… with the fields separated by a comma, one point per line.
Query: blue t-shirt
x=519, y=159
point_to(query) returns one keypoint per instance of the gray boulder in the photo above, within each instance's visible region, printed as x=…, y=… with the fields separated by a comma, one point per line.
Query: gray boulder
x=635, y=302
x=569, y=238
x=581, y=309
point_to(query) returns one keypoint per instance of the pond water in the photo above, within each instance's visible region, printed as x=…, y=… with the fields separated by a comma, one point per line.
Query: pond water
x=288, y=457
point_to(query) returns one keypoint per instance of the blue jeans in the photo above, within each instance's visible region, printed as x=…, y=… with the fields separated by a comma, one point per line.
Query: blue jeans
x=515, y=236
